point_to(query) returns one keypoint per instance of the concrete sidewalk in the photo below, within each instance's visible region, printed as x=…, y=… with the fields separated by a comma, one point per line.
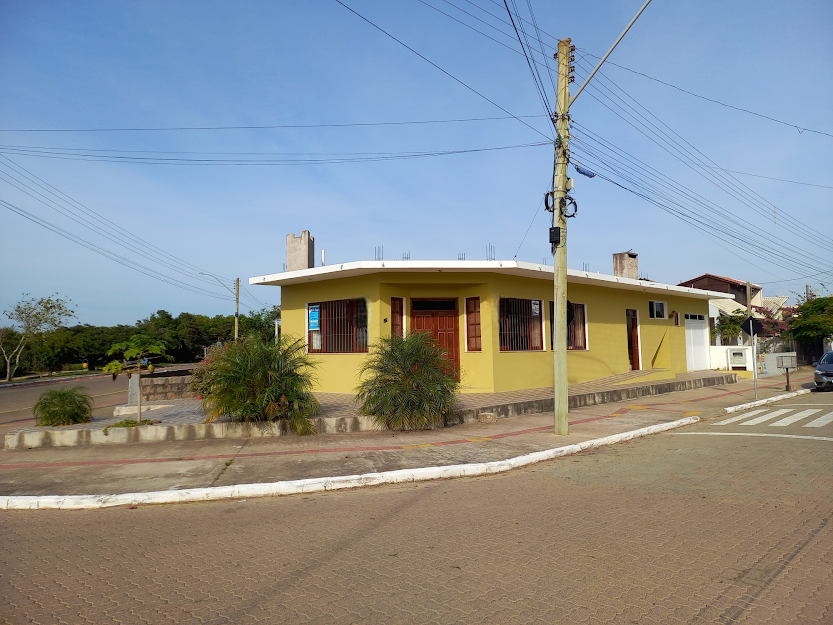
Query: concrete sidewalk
x=183, y=420
x=175, y=465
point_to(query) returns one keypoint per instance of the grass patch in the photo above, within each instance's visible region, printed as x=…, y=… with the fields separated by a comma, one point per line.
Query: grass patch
x=128, y=423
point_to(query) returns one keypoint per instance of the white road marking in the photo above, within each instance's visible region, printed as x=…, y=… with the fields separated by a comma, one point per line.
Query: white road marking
x=814, y=438
x=743, y=416
x=821, y=421
x=791, y=404
x=767, y=417
x=796, y=417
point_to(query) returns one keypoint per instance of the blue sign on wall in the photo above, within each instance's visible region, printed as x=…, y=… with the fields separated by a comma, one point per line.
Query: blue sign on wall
x=313, y=318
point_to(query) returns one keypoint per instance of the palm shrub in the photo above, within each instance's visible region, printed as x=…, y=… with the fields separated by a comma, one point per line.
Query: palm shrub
x=64, y=406
x=409, y=384
x=255, y=381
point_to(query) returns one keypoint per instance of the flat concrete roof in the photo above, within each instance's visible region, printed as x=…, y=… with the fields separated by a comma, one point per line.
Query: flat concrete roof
x=505, y=267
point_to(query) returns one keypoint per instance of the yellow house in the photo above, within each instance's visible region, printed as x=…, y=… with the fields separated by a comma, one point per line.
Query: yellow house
x=494, y=319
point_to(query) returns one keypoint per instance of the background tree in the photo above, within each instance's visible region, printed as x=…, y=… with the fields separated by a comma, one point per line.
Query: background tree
x=728, y=327
x=31, y=318
x=812, y=321
x=261, y=323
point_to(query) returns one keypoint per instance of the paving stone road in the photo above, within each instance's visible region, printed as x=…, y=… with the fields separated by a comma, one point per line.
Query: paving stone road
x=683, y=527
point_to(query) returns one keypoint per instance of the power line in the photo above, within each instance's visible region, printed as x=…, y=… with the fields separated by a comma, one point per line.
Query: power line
x=706, y=172
x=763, y=203
x=800, y=129
x=743, y=173
x=472, y=89
x=108, y=254
x=274, y=126
x=79, y=155
x=735, y=231
x=69, y=207
x=797, y=278
x=737, y=234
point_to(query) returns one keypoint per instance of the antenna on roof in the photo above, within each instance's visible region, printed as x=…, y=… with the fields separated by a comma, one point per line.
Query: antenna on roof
x=379, y=252
x=406, y=256
x=461, y=256
x=490, y=251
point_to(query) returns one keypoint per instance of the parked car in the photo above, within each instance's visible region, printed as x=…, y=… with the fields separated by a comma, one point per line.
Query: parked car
x=824, y=372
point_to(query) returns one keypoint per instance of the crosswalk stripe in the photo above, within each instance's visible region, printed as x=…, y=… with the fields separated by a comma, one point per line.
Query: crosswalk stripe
x=767, y=417
x=796, y=417
x=823, y=420
x=738, y=418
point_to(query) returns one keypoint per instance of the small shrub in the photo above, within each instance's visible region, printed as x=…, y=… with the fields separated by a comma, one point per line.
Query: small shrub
x=410, y=384
x=64, y=406
x=253, y=380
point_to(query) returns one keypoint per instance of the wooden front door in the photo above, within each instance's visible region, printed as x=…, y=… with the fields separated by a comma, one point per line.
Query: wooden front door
x=439, y=318
x=633, y=338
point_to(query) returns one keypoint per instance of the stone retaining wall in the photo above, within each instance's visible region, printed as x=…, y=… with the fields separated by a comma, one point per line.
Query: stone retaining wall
x=154, y=389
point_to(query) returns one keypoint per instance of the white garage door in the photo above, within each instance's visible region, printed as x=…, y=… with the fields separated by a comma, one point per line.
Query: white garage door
x=696, y=342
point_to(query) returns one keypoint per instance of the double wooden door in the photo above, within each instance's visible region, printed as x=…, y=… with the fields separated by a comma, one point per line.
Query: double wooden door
x=439, y=317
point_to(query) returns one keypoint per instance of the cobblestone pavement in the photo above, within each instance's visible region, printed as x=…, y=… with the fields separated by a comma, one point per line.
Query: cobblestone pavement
x=685, y=527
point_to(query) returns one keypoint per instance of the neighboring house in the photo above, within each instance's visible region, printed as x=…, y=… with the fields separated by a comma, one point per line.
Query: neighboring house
x=493, y=317
x=735, y=289
x=734, y=354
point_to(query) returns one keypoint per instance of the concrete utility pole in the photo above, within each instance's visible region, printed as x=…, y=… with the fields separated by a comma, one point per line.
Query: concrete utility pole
x=558, y=231
x=558, y=237
x=236, y=306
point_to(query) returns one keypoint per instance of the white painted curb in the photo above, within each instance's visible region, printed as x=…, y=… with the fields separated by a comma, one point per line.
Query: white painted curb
x=313, y=485
x=769, y=400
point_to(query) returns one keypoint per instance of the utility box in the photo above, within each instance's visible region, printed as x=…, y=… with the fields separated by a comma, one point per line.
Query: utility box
x=300, y=251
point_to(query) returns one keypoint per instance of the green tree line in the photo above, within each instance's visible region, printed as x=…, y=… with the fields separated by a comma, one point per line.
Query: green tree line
x=184, y=337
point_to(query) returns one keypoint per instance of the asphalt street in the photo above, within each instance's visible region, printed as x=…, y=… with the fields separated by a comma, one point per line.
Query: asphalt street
x=720, y=522
x=16, y=402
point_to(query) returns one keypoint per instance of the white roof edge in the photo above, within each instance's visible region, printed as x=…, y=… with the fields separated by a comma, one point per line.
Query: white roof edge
x=512, y=267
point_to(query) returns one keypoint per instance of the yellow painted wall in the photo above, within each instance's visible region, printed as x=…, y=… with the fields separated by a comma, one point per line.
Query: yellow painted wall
x=662, y=343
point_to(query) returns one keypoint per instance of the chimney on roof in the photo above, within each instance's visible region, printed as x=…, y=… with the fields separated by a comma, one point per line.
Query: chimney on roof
x=625, y=265
x=300, y=251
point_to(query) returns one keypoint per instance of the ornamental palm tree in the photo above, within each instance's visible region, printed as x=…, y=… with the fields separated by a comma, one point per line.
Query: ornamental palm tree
x=252, y=380
x=409, y=384
x=63, y=406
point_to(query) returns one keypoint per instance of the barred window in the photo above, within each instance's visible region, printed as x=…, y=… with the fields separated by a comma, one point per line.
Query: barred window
x=473, y=342
x=337, y=327
x=397, y=316
x=577, y=330
x=520, y=325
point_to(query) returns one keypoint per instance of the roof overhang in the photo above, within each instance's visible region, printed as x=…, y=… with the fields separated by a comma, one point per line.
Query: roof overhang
x=504, y=267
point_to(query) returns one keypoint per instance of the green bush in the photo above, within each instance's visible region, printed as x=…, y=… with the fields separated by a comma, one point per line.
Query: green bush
x=252, y=380
x=409, y=384
x=64, y=406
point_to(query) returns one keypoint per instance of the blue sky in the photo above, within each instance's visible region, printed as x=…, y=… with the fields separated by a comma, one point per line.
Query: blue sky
x=85, y=65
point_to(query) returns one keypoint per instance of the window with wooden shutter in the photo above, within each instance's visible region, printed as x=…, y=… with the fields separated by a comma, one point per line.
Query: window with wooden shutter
x=473, y=341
